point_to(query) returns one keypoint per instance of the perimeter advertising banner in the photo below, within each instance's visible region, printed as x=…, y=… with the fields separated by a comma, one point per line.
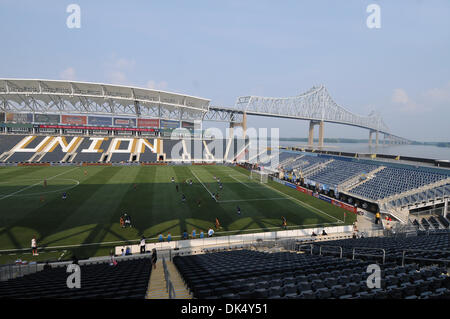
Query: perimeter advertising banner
x=101, y=128
x=74, y=119
x=325, y=198
x=148, y=123
x=123, y=121
x=46, y=118
x=188, y=125
x=344, y=206
x=169, y=124
x=304, y=190
x=19, y=117
x=100, y=120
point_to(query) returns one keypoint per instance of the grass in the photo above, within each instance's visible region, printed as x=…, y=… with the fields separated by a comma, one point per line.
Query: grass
x=88, y=220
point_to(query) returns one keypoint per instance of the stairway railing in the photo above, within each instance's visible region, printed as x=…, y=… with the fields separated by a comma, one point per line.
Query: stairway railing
x=169, y=285
x=354, y=253
x=330, y=246
x=422, y=258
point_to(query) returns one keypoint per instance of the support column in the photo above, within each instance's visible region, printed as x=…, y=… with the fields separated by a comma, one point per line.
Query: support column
x=231, y=130
x=376, y=138
x=244, y=125
x=311, y=133
x=370, y=138
x=321, y=134
x=445, y=207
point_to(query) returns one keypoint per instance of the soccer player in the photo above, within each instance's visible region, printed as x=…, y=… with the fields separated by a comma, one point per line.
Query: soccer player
x=122, y=222
x=283, y=222
x=210, y=232
x=220, y=186
x=64, y=196
x=34, y=246
x=173, y=179
x=85, y=172
x=199, y=202
x=239, y=211
x=176, y=186
x=45, y=182
x=127, y=220
x=217, y=223
x=183, y=198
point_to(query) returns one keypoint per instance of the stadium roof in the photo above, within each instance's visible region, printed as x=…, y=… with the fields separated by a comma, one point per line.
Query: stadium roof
x=55, y=96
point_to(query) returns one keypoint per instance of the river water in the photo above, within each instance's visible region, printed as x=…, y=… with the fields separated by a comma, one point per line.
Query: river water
x=425, y=151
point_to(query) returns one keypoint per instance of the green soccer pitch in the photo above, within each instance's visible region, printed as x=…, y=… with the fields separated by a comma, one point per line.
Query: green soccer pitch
x=87, y=222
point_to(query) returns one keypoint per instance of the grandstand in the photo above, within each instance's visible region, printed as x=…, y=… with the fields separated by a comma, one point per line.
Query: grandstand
x=393, y=188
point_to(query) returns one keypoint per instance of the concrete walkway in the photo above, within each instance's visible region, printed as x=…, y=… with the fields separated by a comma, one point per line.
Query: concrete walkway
x=157, y=283
x=367, y=222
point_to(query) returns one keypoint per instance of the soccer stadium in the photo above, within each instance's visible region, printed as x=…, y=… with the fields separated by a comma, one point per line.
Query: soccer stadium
x=103, y=181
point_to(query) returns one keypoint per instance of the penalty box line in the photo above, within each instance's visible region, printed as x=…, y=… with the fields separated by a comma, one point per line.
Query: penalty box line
x=254, y=184
x=299, y=201
x=251, y=200
x=30, y=186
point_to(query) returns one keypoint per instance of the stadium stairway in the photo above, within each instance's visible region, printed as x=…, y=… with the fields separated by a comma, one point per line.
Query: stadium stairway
x=157, y=283
x=366, y=222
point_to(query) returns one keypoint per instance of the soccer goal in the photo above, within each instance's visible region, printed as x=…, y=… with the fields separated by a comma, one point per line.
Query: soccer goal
x=259, y=176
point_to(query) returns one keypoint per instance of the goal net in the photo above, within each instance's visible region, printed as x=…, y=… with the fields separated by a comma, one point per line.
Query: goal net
x=259, y=176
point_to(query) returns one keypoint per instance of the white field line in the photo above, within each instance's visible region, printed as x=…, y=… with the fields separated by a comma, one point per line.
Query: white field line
x=253, y=183
x=304, y=204
x=251, y=200
x=299, y=201
x=203, y=184
x=239, y=181
x=30, y=186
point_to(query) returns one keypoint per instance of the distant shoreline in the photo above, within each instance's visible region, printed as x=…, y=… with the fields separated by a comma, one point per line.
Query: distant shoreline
x=350, y=140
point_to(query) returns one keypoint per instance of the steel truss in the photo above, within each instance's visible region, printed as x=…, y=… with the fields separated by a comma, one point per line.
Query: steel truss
x=63, y=97
x=316, y=105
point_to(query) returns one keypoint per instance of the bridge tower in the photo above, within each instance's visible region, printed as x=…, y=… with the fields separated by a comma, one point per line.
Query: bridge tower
x=242, y=124
x=371, y=138
x=313, y=123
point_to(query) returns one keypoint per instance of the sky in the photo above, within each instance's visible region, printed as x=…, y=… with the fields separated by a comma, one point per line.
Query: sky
x=224, y=49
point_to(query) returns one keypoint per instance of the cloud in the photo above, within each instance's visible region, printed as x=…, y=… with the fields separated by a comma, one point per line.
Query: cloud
x=439, y=95
x=156, y=85
x=400, y=96
x=404, y=103
x=68, y=74
x=117, y=77
x=117, y=70
x=124, y=64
